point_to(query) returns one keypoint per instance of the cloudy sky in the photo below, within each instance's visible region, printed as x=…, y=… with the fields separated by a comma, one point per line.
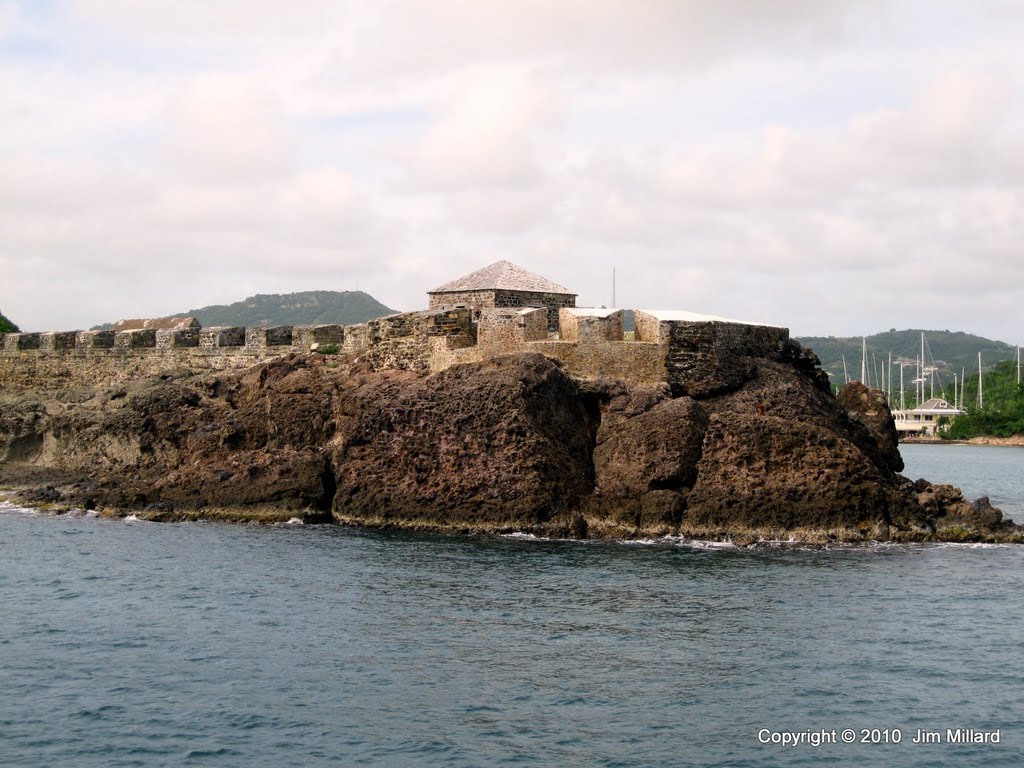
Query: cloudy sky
x=839, y=167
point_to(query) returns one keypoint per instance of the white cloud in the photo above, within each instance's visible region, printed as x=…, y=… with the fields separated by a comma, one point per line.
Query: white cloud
x=797, y=161
x=228, y=130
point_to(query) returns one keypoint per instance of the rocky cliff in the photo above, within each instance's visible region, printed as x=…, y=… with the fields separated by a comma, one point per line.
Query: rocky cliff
x=514, y=443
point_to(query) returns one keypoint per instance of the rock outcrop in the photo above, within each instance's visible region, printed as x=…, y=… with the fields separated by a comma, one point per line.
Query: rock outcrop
x=513, y=443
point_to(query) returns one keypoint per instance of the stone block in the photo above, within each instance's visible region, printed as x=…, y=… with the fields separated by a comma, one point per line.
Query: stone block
x=94, y=340
x=222, y=336
x=276, y=336
x=21, y=341
x=304, y=337
x=355, y=338
x=57, y=341
x=144, y=338
x=177, y=339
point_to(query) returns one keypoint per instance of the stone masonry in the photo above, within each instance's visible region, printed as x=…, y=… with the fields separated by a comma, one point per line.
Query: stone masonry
x=690, y=353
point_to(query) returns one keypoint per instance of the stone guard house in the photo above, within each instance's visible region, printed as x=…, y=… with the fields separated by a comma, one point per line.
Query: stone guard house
x=503, y=284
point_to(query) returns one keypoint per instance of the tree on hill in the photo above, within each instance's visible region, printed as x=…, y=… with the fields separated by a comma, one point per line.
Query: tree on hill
x=1001, y=415
x=6, y=326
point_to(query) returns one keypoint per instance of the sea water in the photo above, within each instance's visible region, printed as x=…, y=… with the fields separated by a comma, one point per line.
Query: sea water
x=126, y=643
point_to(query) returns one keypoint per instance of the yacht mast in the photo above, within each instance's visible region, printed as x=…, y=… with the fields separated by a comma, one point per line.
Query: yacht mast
x=845, y=374
x=863, y=360
x=903, y=405
x=981, y=396
x=921, y=399
x=1018, y=365
x=888, y=380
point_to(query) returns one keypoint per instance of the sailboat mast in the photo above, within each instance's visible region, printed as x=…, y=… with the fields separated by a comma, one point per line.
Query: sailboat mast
x=921, y=399
x=981, y=396
x=903, y=404
x=888, y=380
x=846, y=375
x=864, y=360
x=1018, y=365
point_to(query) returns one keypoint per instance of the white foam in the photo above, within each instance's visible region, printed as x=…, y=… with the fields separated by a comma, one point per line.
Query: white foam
x=294, y=521
x=7, y=506
x=132, y=518
x=679, y=541
x=520, y=536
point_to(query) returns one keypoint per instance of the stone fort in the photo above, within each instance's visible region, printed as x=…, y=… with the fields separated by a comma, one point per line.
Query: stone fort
x=496, y=310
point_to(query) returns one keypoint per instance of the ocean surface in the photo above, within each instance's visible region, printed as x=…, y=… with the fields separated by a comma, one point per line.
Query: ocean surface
x=125, y=643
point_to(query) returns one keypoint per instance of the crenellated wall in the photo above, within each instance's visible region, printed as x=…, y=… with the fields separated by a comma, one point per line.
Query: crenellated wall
x=691, y=353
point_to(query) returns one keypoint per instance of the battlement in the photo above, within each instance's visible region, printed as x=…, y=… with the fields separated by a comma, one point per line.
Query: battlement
x=686, y=351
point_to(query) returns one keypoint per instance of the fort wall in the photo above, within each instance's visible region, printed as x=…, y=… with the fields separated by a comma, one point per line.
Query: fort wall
x=688, y=352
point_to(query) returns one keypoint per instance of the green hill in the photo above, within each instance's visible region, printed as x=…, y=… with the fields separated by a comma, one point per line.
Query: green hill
x=6, y=326
x=949, y=351
x=302, y=308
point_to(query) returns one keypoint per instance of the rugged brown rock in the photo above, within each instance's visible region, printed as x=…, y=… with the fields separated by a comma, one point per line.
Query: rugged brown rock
x=514, y=443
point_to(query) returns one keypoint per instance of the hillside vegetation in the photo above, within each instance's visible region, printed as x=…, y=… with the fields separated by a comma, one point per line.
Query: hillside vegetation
x=1003, y=411
x=6, y=326
x=302, y=308
x=950, y=351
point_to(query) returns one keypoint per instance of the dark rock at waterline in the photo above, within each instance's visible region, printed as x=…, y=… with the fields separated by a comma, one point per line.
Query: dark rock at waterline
x=514, y=443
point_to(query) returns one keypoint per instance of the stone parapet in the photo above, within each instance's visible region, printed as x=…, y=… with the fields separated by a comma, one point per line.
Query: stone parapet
x=138, y=339
x=57, y=341
x=184, y=338
x=712, y=356
x=17, y=342
x=222, y=336
x=590, y=325
x=309, y=338
x=86, y=340
x=648, y=327
x=275, y=336
x=693, y=354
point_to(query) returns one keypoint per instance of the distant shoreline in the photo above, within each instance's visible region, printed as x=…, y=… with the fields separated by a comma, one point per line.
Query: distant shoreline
x=1016, y=441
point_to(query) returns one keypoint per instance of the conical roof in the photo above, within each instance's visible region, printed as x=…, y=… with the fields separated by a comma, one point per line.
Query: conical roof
x=502, y=276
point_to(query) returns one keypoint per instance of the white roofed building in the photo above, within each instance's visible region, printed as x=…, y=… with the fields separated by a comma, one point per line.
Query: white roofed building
x=924, y=420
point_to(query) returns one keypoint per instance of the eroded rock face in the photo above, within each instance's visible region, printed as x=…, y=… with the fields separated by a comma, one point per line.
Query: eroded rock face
x=767, y=472
x=186, y=442
x=514, y=443
x=869, y=407
x=646, y=463
x=508, y=441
